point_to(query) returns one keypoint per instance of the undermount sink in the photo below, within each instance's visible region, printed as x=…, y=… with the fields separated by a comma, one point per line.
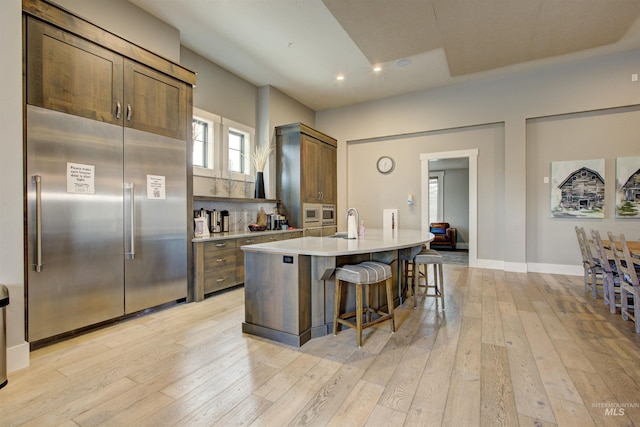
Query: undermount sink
x=339, y=236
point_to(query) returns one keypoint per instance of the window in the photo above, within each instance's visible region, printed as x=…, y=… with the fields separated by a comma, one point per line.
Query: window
x=237, y=148
x=206, y=136
x=200, y=143
x=436, y=197
x=220, y=144
x=237, y=152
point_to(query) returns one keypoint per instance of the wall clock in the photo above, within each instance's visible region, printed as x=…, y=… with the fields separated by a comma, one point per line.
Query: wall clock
x=385, y=164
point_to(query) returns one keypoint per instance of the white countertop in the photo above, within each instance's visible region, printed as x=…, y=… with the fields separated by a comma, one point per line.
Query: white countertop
x=239, y=234
x=375, y=240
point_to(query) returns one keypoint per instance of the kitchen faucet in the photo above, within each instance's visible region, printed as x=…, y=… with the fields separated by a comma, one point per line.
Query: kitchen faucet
x=354, y=210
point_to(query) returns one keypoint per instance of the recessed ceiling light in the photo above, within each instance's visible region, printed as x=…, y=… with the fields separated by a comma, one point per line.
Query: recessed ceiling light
x=404, y=62
x=340, y=77
x=377, y=68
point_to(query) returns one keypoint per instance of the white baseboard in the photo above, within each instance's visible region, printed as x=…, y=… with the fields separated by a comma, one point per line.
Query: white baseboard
x=569, y=270
x=521, y=267
x=18, y=357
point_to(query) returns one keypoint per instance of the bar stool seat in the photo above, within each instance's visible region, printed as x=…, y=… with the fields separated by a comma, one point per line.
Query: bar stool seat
x=366, y=273
x=426, y=257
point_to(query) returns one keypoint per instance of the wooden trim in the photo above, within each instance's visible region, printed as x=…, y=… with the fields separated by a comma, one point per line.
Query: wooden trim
x=74, y=24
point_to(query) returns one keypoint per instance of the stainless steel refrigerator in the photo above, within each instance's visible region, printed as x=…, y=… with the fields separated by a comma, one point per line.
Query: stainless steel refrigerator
x=106, y=221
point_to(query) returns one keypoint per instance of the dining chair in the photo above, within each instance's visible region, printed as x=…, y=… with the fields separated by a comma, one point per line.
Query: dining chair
x=628, y=268
x=592, y=271
x=610, y=276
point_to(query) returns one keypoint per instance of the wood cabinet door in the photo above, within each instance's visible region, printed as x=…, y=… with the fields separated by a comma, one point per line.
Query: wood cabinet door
x=68, y=74
x=309, y=169
x=154, y=102
x=327, y=172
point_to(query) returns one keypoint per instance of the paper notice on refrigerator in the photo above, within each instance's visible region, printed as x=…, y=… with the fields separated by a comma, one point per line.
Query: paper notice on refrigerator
x=81, y=178
x=156, y=188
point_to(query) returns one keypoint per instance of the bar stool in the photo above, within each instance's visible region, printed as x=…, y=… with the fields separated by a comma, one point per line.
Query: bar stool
x=366, y=273
x=406, y=257
x=426, y=257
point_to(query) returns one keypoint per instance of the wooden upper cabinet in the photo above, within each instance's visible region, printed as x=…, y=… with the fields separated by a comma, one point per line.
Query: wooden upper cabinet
x=318, y=171
x=66, y=73
x=69, y=74
x=309, y=169
x=154, y=102
x=327, y=172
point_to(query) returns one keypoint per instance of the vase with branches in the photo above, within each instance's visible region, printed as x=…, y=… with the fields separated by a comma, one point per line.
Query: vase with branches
x=260, y=156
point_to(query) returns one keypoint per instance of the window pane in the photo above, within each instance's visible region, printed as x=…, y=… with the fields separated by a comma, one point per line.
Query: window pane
x=236, y=151
x=200, y=145
x=235, y=141
x=234, y=161
x=433, y=200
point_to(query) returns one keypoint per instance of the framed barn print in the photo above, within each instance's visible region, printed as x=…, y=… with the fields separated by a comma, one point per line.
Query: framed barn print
x=577, y=189
x=628, y=187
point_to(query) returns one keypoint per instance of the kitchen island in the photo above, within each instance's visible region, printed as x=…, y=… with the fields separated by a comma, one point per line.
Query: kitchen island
x=289, y=285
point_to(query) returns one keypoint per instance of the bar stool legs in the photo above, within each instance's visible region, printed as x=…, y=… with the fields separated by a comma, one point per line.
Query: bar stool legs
x=426, y=257
x=365, y=275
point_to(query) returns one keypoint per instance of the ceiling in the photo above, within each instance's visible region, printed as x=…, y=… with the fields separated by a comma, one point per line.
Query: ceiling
x=301, y=46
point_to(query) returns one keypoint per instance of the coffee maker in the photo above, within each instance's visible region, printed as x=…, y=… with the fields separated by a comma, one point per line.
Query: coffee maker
x=216, y=221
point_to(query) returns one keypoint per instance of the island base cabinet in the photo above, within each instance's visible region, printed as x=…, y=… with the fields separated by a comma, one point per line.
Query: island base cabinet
x=278, y=297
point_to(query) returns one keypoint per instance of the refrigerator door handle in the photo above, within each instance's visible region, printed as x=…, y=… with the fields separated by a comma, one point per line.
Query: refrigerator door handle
x=131, y=253
x=37, y=180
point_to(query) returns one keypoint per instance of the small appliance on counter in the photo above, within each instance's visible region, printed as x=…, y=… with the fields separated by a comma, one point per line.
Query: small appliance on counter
x=224, y=215
x=216, y=222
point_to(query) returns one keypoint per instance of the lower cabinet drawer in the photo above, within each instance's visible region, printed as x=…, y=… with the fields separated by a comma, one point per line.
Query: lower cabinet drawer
x=216, y=280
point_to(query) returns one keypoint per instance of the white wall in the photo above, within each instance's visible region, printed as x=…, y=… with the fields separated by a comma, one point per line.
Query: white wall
x=604, y=134
x=581, y=86
x=371, y=192
x=129, y=22
x=11, y=189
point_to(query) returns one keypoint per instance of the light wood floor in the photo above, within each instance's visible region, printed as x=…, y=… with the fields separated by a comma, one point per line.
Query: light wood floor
x=512, y=349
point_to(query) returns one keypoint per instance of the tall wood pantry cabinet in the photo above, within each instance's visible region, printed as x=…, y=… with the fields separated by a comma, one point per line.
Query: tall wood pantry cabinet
x=306, y=165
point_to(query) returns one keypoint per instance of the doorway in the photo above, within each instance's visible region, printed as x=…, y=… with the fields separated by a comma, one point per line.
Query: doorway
x=472, y=156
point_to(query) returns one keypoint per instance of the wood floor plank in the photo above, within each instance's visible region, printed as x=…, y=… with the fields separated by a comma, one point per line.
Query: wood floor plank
x=358, y=405
x=510, y=349
x=554, y=375
x=497, y=406
x=463, y=399
x=529, y=391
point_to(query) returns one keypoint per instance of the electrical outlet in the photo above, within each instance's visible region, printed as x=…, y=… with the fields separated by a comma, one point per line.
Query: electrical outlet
x=545, y=179
x=634, y=77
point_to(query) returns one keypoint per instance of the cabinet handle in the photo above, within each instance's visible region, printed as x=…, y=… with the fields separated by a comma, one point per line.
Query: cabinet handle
x=37, y=180
x=220, y=259
x=249, y=241
x=118, y=110
x=223, y=279
x=129, y=112
x=220, y=245
x=131, y=254
x=321, y=195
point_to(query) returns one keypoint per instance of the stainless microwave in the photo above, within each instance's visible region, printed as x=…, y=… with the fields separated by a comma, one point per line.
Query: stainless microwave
x=318, y=214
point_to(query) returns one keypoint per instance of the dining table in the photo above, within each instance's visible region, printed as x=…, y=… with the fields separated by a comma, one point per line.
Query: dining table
x=633, y=245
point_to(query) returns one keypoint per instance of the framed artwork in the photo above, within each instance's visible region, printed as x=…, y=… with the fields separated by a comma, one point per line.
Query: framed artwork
x=628, y=187
x=577, y=189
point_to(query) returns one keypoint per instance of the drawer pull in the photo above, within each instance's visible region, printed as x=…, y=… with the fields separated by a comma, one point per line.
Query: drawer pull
x=249, y=241
x=220, y=245
x=224, y=279
x=220, y=259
